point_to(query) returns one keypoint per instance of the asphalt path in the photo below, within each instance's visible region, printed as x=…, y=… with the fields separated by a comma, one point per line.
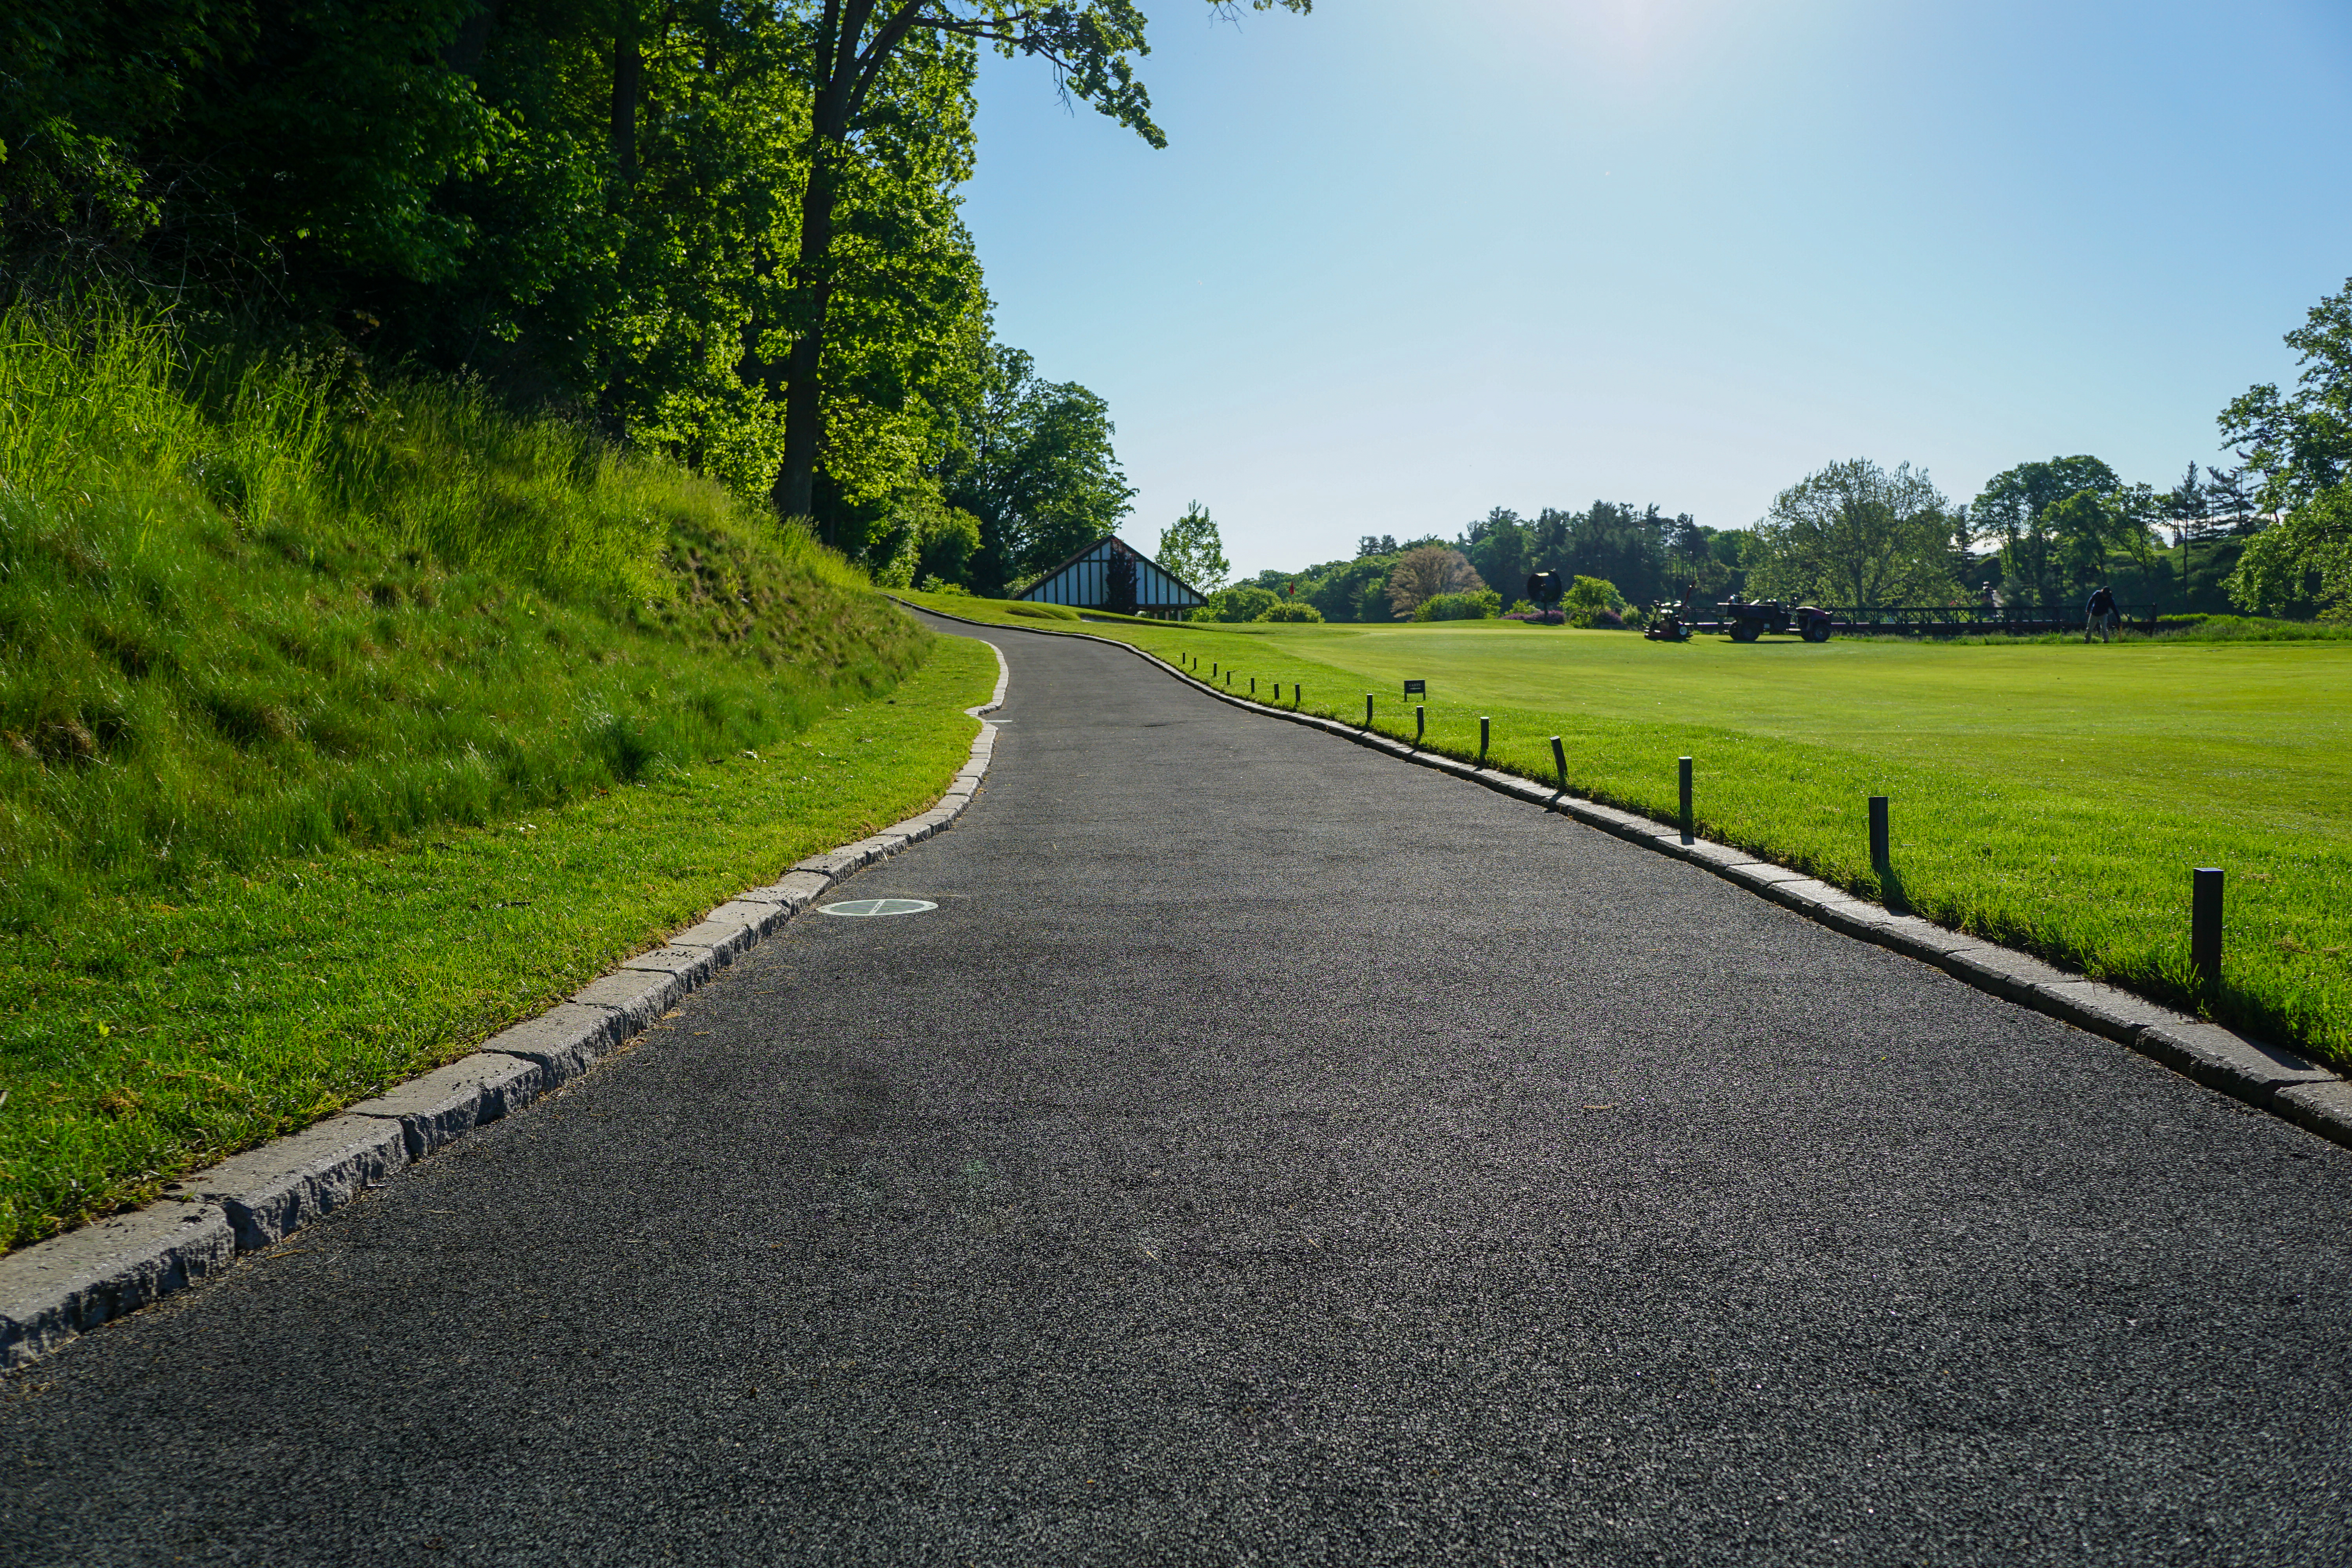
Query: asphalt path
x=1267, y=1152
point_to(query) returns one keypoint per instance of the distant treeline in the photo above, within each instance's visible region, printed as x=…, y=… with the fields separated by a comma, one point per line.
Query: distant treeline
x=2041, y=532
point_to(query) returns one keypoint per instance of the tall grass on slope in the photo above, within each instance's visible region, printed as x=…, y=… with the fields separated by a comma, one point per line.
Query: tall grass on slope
x=251, y=605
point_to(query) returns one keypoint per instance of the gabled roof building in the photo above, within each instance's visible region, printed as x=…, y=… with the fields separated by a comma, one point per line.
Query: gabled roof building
x=1112, y=574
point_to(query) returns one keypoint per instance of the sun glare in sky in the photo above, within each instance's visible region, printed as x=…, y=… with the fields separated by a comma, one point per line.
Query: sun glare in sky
x=1402, y=263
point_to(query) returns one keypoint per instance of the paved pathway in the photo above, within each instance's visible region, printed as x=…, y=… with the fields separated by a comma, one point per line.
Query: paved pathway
x=1268, y=1153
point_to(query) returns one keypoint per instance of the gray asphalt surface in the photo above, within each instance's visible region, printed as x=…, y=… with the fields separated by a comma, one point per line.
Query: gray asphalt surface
x=1267, y=1152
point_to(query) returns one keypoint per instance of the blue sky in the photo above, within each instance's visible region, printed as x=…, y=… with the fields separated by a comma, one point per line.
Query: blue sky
x=1405, y=261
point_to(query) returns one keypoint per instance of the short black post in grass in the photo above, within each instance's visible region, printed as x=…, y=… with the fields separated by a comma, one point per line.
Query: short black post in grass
x=1880, y=857
x=1212, y=669
x=2205, y=925
x=1559, y=763
x=1420, y=724
x=1687, y=834
x=1253, y=686
x=1368, y=710
x=1482, y=740
x=1295, y=689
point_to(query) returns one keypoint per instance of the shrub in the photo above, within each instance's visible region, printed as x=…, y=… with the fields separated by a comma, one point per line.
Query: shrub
x=1430, y=572
x=1589, y=598
x=1482, y=605
x=1246, y=603
x=940, y=585
x=1291, y=610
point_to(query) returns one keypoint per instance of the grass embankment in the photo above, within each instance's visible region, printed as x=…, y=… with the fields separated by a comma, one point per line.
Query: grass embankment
x=2052, y=796
x=340, y=726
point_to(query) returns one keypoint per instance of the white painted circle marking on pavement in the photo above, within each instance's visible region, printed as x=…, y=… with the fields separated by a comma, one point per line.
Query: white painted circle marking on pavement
x=862, y=909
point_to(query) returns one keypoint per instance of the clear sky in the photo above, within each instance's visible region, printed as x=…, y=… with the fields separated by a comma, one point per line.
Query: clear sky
x=1405, y=260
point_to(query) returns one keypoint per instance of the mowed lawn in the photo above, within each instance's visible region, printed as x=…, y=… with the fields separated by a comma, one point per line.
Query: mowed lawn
x=2051, y=795
x=140, y=1037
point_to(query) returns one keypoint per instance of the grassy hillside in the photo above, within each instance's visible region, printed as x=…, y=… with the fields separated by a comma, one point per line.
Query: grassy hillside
x=341, y=724
x=2050, y=794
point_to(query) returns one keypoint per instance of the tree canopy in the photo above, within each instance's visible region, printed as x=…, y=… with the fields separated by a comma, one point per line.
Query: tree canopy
x=2301, y=445
x=1854, y=533
x=722, y=227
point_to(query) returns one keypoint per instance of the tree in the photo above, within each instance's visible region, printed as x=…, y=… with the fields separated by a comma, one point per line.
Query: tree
x=1855, y=534
x=1589, y=598
x=2012, y=509
x=1119, y=580
x=2300, y=444
x=1427, y=570
x=1191, y=548
x=1499, y=547
x=1247, y=602
x=1089, y=44
x=1033, y=461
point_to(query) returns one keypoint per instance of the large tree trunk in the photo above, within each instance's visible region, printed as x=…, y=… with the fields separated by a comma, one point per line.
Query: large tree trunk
x=804, y=393
x=839, y=34
x=628, y=77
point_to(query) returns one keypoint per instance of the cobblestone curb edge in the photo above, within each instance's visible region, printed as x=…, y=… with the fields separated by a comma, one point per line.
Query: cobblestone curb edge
x=54, y=1290
x=2267, y=1077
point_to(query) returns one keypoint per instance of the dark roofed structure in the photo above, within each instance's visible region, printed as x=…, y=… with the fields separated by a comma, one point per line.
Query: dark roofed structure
x=1112, y=574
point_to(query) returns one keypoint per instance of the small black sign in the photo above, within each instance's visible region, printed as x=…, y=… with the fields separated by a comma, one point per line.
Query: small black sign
x=1416, y=688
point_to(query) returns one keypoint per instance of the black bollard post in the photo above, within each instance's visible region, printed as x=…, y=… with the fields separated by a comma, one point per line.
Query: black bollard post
x=1368, y=710
x=2205, y=925
x=1559, y=763
x=1420, y=724
x=1687, y=799
x=1879, y=854
x=1253, y=686
x=1482, y=740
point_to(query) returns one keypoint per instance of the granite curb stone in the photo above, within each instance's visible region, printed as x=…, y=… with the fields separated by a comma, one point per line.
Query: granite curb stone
x=2103, y=1009
x=2224, y=1059
x=793, y=891
x=638, y=995
x=2322, y=1108
x=56, y=1288
x=691, y=965
x=72, y=1283
x=2263, y=1075
x=564, y=1040
x=449, y=1102
x=721, y=938
x=285, y=1183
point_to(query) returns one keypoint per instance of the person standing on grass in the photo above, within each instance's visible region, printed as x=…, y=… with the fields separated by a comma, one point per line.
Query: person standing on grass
x=2099, y=615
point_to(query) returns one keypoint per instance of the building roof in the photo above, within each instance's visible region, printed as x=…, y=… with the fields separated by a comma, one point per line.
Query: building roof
x=1083, y=581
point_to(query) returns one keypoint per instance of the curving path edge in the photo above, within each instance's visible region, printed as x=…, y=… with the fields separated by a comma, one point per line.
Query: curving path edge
x=2267, y=1077
x=58, y=1289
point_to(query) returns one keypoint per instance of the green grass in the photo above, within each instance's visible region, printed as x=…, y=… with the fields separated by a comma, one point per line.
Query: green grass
x=341, y=723
x=2050, y=796
x=247, y=611
x=145, y=1035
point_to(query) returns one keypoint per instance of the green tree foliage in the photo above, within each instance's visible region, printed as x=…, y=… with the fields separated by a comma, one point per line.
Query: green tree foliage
x=1426, y=572
x=1854, y=533
x=1247, y=602
x=1191, y=548
x=1591, y=599
x=1031, y=460
x=1290, y=610
x=1647, y=552
x=1473, y=605
x=853, y=48
x=602, y=207
x=2014, y=509
x=2301, y=445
